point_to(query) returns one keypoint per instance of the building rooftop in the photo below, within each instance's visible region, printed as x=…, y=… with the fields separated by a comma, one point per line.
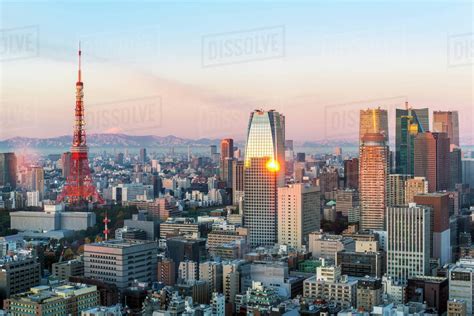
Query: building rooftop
x=120, y=243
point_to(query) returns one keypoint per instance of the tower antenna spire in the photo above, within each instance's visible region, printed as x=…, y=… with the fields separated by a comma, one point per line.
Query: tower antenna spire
x=79, y=74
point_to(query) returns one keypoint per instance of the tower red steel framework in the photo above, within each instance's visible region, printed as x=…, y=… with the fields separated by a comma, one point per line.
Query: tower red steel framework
x=79, y=187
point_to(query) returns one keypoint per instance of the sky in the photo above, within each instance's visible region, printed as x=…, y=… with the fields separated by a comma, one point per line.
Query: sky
x=196, y=69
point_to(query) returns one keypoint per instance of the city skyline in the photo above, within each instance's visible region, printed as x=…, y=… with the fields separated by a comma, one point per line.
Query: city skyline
x=320, y=158
x=154, y=68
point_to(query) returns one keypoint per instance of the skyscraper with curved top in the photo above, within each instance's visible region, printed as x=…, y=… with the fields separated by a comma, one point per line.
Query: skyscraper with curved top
x=373, y=179
x=263, y=173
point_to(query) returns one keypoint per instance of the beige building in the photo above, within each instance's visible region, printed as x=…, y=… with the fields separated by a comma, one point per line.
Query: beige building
x=217, y=238
x=346, y=201
x=396, y=189
x=322, y=245
x=369, y=293
x=415, y=186
x=298, y=214
x=211, y=272
x=328, y=284
x=457, y=308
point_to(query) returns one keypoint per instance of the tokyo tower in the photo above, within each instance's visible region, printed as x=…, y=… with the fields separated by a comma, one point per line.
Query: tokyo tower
x=79, y=188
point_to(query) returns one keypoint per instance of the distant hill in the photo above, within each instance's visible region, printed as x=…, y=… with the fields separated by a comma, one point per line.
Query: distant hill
x=106, y=140
x=150, y=141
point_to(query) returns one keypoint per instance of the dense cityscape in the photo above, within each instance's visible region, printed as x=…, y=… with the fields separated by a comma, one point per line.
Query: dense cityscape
x=257, y=230
x=217, y=158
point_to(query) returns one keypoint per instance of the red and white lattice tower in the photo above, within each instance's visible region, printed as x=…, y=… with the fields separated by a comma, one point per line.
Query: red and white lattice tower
x=106, y=228
x=79, y=187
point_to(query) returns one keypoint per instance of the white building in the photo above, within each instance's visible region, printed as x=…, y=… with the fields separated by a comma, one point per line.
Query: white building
x=461, y=283
x=409, y=240
x=115, y=261
x=328, y=284
x=33, y=199
x=298, y=214
x=218, y=304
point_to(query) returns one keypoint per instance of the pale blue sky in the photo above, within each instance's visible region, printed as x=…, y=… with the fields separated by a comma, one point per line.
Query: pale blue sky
x=353, y=54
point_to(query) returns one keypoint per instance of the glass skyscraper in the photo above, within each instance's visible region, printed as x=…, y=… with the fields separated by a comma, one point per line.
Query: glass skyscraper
x=409, y=122
x=263, y=173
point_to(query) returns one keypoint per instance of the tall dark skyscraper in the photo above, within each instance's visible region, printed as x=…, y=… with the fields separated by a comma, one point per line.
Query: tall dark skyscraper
x=8, y=166
x=432, y=160
x=455, y=168
x=143, y=156
x=351, y=173
x=425, y=158
x=66, y=164
x=409, y=122
x=227, y=154
x=263, y=174
x=442, y=161
x=447, y=122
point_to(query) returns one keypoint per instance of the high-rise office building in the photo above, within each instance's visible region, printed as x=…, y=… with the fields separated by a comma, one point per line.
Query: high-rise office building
x=35, y=180
x=227, y=155
x=346, y=201
x=432, y=160
x=409, y=122
x=441, y=240
x=114, y=261
x=455, y=168
x=298, y=214
x=396, y=189
x=468, y=171
x=166, y=271
x=8, y=169
x=408, y=247
x=263, y=174
x=212, y=150
x=373, y=179
x=143, y=156
x=373, y=121
x=237, y=181
x=351, y=173
x=442, y=161
x=66, y=163
x=447, y=122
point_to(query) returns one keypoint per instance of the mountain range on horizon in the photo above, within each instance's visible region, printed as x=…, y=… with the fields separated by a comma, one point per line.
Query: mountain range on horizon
x=123, y=140
x=105, y=140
